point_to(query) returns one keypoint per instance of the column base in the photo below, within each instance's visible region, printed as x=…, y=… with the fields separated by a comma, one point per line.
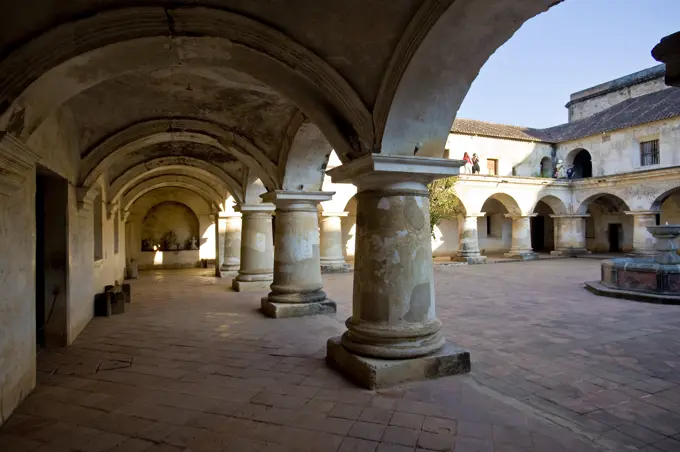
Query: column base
x=251, y=286
x=471, y=260
x=373, y=373
x=335, y=268
x=284, y=310
x=570, y=252
x=522, y=255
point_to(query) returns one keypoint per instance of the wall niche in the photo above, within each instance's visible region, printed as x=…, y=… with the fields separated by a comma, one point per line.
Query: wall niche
x=170, y=226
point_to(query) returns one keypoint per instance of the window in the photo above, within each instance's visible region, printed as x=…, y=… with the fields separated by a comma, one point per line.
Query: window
x=97, y=227
x=492, y=167
x=649, y=152
x=447, y=153
x=488, y=226
x=116, y=232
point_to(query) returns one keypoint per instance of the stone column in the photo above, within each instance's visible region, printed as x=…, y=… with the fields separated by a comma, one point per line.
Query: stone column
x=643, y=241
x=332, y=258
x=468, y=240
x=521, y=238
x=570, y=235
x=394, y=334
x=257, y=248
x=296, y=290
x=220, y=227
x=232, y=244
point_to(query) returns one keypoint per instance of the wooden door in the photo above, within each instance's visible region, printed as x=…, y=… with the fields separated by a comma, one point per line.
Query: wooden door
x=492, y=167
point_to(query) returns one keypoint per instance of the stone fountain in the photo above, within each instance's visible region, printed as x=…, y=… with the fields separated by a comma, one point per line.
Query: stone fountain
x=654, y=279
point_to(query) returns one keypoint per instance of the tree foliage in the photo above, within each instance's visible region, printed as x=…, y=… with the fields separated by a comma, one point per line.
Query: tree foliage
x=444, y=203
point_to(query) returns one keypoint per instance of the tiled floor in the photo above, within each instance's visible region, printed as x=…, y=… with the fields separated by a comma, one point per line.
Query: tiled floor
x=193, y=366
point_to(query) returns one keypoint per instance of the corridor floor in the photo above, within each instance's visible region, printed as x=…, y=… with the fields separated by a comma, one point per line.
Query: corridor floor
x=193, y=367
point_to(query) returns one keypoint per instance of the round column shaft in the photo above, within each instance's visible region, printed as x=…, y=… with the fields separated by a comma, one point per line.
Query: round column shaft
x=394, y=334
x=468, y=240
x=643, y=241
x=332, y=258
x=521, y=237
x=570, y=235
x=232, y=243
x=257, y=248
x=296, y=290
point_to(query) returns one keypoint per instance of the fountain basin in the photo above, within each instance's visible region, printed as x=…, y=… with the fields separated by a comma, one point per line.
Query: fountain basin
x=654, y=279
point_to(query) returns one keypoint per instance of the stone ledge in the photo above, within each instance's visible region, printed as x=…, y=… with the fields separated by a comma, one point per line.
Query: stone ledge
x=600, y=289
x=250, y=286
x=576, y=252
x=373, y=373
x=283, y=310
x=470, y=260
x=335, y=268
x=531, y=256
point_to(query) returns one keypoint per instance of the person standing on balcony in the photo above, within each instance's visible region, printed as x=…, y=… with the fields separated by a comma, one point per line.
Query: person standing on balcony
x=475, y=164
x=467, y=169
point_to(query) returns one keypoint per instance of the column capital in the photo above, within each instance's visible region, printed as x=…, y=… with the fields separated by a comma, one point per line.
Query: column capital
x=569, y=215
x=296, y=199
x=474, y=214
x=375, y=171
x=255, y=208
x=642, y=212
x=231, y=214
x=514, y=216
x=334, y=214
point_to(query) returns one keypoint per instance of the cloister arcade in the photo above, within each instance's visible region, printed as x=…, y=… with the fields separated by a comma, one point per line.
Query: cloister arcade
x=232, y=110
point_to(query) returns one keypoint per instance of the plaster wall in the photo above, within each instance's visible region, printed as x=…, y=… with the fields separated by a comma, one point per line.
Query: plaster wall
x=588, y=107
x=56, y=145
x=619, y=151
x=524, y=156
x=597, y=233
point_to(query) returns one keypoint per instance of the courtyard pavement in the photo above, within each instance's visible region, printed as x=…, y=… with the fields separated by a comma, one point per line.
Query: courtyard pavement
x=193, y=367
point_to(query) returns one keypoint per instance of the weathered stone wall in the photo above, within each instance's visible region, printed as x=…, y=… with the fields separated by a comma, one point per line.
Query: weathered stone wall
x=619, y=151
x=579, y=109
x=524, y=156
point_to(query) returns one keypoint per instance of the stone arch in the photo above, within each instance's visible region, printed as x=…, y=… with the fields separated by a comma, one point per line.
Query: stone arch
x=612, y=202
x=208, y=193
x=428, y=76
x=608, y=228
x=244, y=44
x=556, y=204
x=304, y=157
x=656, y=205
x=582, y=163
x=173, y=165
x=154, y=131
x=510, y=204
x=547, y=169
x=542, y=224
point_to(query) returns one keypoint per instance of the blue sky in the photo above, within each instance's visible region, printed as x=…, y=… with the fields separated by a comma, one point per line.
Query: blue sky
x=574, y=45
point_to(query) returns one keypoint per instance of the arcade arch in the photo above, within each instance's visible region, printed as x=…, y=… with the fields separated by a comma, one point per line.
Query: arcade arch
x=581, y=162
x=495, y=228
x=608, y=228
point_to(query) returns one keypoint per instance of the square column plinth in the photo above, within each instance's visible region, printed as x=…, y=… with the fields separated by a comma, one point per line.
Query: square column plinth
x=250, y=286
x=373, y=373
x=283, y=310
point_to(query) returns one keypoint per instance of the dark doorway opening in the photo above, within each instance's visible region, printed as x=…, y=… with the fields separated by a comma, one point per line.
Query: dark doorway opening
x=538, y=233
x=615, y=236
x=51, y=258
x=583, y=165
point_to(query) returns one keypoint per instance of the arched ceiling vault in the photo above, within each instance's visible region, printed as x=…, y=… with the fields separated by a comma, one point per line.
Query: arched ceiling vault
x=217, y=144
x=372, y=75
x=174, y=165
x=190, y=182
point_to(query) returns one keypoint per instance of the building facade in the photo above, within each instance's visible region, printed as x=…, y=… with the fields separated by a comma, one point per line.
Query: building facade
x=622, y=144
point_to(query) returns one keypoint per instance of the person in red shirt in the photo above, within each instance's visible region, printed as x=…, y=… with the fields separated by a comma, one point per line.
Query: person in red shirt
x=467, y=169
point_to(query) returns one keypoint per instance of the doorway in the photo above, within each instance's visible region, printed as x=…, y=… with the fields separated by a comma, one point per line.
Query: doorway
x=51, y=258
x=538, y=233
x=615, y=236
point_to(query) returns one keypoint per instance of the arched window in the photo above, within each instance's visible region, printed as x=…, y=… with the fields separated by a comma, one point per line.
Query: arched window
x=97, y=227
x=581, y=162
x=546, y=167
